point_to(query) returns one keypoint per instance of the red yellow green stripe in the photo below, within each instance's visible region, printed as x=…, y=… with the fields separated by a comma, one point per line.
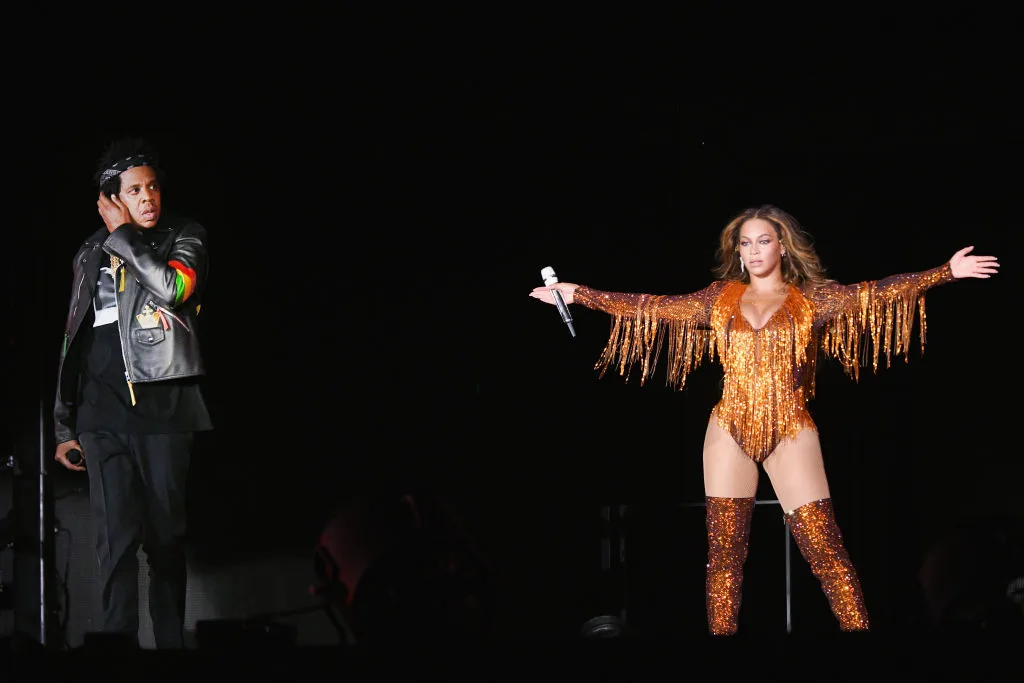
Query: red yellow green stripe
x=184, y=281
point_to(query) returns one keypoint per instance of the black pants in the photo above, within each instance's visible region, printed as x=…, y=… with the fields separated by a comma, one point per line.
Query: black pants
x=137, y=494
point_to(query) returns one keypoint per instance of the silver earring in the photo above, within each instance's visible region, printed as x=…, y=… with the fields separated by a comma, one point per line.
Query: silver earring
x=741, y=266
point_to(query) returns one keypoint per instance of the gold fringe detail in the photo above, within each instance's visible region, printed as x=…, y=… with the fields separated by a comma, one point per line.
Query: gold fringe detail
x=871, y=320
x=643, y=324
x=763, y=399
x=769, y=373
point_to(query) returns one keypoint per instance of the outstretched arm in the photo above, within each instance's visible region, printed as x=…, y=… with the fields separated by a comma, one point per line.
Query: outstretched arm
x=883, y=310
x=642, y=324
x=694, y=307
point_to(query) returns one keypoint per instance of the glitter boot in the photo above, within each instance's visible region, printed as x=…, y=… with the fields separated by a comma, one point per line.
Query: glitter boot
x=728, y=524
x=816, y=533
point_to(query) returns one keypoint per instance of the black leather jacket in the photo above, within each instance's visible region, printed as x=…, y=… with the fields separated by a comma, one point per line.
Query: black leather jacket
x=159, y=339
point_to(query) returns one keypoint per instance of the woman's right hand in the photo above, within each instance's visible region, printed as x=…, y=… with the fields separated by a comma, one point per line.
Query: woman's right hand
x=567, y=289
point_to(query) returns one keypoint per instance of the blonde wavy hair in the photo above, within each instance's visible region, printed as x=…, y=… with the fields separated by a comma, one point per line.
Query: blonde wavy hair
x=800, y=266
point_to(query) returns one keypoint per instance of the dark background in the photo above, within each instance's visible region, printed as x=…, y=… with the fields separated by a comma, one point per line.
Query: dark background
x=381, y=199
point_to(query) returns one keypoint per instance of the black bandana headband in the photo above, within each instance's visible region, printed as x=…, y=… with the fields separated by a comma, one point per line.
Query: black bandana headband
x=122, y=165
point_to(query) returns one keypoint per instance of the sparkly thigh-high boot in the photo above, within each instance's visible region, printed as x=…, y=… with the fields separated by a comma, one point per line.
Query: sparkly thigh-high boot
x=728, y=524
x=814, y=528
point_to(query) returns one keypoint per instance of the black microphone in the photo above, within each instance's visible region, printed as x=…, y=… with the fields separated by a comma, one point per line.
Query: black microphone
x=548, y=275
x=74, y=456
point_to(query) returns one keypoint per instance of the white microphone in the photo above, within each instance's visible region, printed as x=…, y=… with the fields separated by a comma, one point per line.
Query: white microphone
x=548, y=275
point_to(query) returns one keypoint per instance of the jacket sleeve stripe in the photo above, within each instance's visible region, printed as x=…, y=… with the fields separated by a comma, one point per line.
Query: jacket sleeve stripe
x=184, y=281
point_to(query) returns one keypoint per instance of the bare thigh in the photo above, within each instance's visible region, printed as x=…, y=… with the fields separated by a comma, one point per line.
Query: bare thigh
x=797, y=470
x=728, y=471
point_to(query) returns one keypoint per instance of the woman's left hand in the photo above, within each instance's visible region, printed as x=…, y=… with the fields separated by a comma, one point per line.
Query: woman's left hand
x=965, y=265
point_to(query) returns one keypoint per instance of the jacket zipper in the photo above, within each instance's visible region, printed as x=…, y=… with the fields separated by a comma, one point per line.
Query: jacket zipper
x=78, y=290
x=74, y=309
x=120, y=337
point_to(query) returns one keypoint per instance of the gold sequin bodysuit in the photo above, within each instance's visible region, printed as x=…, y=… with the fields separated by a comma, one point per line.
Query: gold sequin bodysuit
x=768, y=371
